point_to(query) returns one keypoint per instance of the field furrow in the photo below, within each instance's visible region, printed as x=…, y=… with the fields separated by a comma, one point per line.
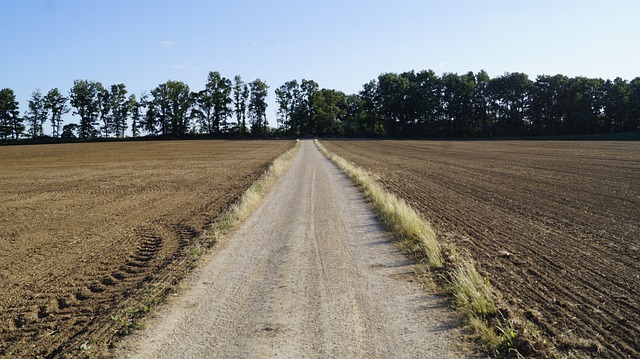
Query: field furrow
x=553, y=225
x=92, y=233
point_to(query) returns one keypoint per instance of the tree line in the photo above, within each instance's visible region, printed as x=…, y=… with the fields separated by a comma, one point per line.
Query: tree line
x=170, y=109
x=409, y=104
x=422, y=104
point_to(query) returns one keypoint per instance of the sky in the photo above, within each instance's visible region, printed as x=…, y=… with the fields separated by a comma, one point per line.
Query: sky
x=340, y=44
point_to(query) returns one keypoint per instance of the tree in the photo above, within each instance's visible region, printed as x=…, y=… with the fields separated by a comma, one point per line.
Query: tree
x=136, y=119
x=510, y=100
x=120, y=109
x=428, y=103
x=56, y=105
x=329, y=108
x=393, y=90
x=10, y=121
x=353, y=123
x=36, y=114
x=170, y=108
x=582, y=106
x=546, y=106
x=303, y=115
x=203, y=111
x=258, y=107
x=150, y=122
x=483, y=121
x=70, y=130
x=459, y=94
x=105, y=115
x=372, y=119
x=85, y=98
x=634, y=105
x=288, y=100
x=213, y=104
x=240, y=99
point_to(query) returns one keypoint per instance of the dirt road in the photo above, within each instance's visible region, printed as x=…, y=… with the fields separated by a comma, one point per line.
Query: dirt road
x=310, y=274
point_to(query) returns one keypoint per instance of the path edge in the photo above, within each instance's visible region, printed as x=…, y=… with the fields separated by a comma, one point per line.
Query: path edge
x=134, y=316
x=497, y=329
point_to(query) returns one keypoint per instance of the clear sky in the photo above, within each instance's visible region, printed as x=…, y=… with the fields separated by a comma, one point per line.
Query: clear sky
x=341, y=44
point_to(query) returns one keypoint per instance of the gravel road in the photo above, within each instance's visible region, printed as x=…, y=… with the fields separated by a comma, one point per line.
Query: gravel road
x=310, y=274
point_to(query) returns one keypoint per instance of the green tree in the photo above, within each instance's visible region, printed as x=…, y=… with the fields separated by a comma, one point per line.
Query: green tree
x=151, y=122
x=171, y=104
x=136, y=117
x=85, y=98
x=353, y=123
x=70, y=130
x=36, y=114
x=510, y=100
x=582, y=105
x=424, y=98
x=634, y=105
x=329, y=109
x=483, y=121
x=372, y=123
x=120, y=109
x=213, y=104
x=288, y=100
x=546, y=106
x=459, y=98
x=240, y=100
x=303, y=116
x=56, y=105
x=258, y=107
x=617, y=106
x=11, y=125
x=393, y=91
x=105, y=115
x=203, y=111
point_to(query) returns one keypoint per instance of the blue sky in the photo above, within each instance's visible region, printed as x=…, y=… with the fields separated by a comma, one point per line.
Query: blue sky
x=340, y=44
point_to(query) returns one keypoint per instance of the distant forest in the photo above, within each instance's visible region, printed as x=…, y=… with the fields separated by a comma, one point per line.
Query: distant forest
x=410, y=104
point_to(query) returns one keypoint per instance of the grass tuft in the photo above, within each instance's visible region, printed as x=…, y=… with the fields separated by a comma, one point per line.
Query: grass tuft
x=471, y=291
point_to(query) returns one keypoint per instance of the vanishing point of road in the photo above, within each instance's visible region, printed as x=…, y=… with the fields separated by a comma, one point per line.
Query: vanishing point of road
x=310, y=274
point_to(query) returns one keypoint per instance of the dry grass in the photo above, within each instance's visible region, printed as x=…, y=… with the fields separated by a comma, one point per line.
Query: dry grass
x=471, y=291
x=406, y=224
x=251, y=198
x=472, y=294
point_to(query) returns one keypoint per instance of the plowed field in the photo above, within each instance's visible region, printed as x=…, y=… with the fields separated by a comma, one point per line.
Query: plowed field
x=555, y=226
x=86, y=230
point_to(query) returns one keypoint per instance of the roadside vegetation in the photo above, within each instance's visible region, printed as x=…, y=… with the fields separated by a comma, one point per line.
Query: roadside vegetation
x=499, y=332
x=252, y=197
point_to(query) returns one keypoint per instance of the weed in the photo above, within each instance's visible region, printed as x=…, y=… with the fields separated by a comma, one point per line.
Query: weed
x=470, y=291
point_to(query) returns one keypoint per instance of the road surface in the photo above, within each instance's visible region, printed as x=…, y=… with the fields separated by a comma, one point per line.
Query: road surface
x=310, y=274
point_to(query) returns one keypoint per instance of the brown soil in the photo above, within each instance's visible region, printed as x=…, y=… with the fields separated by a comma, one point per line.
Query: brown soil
x=554, y=226
x=93, y=234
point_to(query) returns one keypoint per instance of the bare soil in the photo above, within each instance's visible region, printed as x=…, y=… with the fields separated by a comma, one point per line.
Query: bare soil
x=554, y=226
x=94, y=234
x=310, y=274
